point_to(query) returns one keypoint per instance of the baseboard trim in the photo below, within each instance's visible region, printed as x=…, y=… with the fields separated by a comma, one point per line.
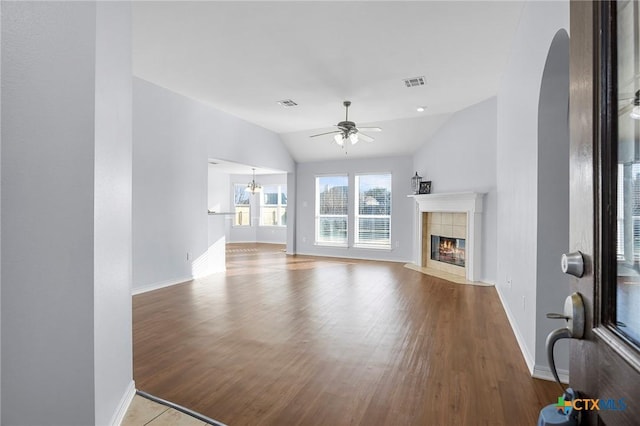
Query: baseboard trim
x=350, y=257
x=528, y=359
x=161, y=284
x=543, y=372
x=125, y=402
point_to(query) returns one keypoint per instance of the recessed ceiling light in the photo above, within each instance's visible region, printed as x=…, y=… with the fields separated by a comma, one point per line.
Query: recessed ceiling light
x=421, y=109
x=287, y=103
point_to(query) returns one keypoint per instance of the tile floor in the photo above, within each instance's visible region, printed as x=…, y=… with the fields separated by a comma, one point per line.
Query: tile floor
x=143, y=411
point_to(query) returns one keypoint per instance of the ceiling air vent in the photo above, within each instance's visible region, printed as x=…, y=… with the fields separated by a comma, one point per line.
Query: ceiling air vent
x=287, y=103
x=414, y=81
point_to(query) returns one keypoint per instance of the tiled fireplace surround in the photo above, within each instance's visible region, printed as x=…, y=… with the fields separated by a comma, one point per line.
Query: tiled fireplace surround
x=444, y=224
x=456, y=215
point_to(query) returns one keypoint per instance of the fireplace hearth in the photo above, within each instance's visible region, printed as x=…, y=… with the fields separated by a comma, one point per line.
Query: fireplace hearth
x=448, y=250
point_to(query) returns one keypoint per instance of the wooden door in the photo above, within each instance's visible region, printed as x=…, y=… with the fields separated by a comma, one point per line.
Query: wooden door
x=605, y=208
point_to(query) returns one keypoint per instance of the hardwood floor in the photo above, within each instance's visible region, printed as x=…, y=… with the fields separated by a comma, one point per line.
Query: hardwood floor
x=288, y=340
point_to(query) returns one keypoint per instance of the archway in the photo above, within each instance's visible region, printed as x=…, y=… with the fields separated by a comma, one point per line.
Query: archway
x=553, y=199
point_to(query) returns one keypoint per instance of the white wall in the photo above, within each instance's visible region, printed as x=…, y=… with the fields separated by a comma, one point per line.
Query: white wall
x=219, y=192
x=0, y=222
x=173, y=138
x=112, y=219
x=218, y=189
x=169, y=186
x=518, y=169
x=48, y=56
x=461, y=157
x=59, y=256
x=402, y=207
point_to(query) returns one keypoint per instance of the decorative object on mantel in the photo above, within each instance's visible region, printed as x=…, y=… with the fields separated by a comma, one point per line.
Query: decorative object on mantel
x=252, y=186
x=415, y=183
x=425, y=187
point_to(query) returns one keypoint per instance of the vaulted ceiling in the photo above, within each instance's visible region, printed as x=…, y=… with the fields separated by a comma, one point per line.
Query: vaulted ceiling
x=243, y=57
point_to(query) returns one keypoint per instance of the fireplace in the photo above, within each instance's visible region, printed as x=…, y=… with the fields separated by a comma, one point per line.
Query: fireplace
x=448, y=250
x=457, y=216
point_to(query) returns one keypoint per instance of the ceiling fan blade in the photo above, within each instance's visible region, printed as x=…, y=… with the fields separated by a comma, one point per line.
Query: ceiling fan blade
x=327, y=133
x=370, y=129
x=364, y=137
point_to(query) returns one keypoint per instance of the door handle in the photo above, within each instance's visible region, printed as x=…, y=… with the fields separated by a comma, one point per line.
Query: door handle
x=574, y=315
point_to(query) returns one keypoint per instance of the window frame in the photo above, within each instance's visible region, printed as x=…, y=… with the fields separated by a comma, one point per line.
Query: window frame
x=319, y=216
x=357, y=243
x=280, y=207
x=235, y=206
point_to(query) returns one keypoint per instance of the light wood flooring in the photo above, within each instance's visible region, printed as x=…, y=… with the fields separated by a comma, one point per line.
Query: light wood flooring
x=297, y=340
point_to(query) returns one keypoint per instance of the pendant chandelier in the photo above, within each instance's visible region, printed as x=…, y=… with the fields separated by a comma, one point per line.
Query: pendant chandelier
x=252, y=186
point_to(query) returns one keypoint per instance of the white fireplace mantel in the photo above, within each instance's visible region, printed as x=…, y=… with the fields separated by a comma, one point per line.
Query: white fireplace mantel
x=470, y=203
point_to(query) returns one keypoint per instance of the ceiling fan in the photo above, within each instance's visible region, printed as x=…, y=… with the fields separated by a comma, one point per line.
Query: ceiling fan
x=348, y=130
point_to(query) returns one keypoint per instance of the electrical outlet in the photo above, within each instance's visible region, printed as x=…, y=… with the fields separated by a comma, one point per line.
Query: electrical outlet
x=524, y=303
x=304, y=239
x=508, y=280
x=397, y=244
x=188, y=256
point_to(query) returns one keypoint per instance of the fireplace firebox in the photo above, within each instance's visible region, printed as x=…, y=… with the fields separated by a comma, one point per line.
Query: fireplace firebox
x=448, y=250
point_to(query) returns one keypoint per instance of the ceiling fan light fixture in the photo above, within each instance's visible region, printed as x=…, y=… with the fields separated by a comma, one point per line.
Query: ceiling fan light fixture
x=347, y=130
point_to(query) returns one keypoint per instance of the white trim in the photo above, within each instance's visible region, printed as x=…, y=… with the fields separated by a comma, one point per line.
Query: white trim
x=268, y=242
x=538, y=371
x=349, y=257
x=161, y=284
x=125, y=402
x=470, y=203
x=543, y=372
x=528, y=359
x=332, y=245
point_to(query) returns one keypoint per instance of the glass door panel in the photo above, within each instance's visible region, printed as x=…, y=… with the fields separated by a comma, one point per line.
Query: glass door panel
x=627, y=294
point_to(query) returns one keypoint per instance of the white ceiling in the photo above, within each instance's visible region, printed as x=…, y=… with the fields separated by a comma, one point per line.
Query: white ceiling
x=231, y=168
x=243, y=57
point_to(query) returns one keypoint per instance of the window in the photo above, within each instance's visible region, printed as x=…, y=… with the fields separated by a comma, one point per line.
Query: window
x=373, y=211
x=331, y=210
x=241, y=203
x=274, y=205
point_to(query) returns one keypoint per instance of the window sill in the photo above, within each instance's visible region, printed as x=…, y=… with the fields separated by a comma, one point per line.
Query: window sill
x=370, y=247
x=334, y=245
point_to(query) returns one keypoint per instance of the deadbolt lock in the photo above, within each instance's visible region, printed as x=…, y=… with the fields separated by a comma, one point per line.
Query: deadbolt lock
x=573, y=264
